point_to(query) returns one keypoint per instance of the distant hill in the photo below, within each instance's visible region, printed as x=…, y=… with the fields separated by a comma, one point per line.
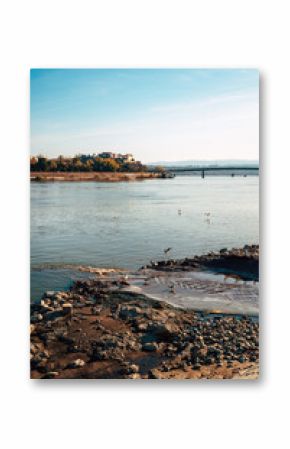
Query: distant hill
x=206, y=163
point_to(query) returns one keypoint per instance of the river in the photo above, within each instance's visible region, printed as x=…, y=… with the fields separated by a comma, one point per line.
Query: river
x=128, y=224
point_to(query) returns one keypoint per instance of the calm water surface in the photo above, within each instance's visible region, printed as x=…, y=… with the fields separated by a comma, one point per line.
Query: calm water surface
x=129, y=224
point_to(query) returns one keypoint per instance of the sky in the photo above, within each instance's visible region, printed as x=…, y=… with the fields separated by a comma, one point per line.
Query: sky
x=156, y=114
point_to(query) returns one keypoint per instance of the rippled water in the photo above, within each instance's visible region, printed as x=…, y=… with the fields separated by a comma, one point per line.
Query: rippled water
x=129, y=224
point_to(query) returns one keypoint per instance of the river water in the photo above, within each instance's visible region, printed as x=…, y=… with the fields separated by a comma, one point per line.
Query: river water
x=130, y=223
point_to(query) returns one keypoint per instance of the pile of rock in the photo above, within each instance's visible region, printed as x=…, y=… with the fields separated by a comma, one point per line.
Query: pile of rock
x=96, y=330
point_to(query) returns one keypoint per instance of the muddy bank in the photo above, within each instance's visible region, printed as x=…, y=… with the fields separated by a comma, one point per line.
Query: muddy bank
x=112, y=327
x=92, y=332
x=91, y=176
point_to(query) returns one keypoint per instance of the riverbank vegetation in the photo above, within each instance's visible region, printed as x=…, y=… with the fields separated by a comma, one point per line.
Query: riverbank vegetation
x=83, y=163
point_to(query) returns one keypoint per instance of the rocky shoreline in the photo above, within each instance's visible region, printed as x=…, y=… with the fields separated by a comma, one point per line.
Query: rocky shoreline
x=240, y=262
x=101, y=329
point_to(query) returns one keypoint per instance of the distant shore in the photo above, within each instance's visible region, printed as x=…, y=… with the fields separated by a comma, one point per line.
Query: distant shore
x=91, y=176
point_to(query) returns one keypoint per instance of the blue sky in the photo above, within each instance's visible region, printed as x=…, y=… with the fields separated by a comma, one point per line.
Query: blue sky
x=156, y=114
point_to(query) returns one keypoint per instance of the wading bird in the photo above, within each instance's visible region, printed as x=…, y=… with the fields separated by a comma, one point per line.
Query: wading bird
x=172, y=288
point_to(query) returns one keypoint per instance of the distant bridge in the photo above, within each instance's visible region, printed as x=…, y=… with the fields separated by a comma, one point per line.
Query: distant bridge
x=203, y=170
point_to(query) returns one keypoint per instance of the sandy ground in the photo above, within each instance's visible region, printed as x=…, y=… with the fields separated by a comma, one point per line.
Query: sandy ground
x=91, y=176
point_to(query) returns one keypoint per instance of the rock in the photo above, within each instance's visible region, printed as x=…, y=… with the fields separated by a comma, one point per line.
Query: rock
x=96, y=310
x=59, y=313
x=129, y=312
x=150, y=347
x=203, y=352
x=196, y=366
x=36, y=318
x=58, y=297
x=142, y=327
x=34, y=348
x=165, y=368
x=49, y=294
x=78, y=363
x=65, y=339
x=34, y=360
x=73, y=349
x=100, y=355
x=134, y=376
x=129, y=369
x=39, y=364
x=43, y=354
x=154, y=374
x=164, y=332
x=67, y=308
x=134, y=368
x=50, y=375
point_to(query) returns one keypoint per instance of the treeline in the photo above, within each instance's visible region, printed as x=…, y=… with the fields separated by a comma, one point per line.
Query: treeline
x=79, y=164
